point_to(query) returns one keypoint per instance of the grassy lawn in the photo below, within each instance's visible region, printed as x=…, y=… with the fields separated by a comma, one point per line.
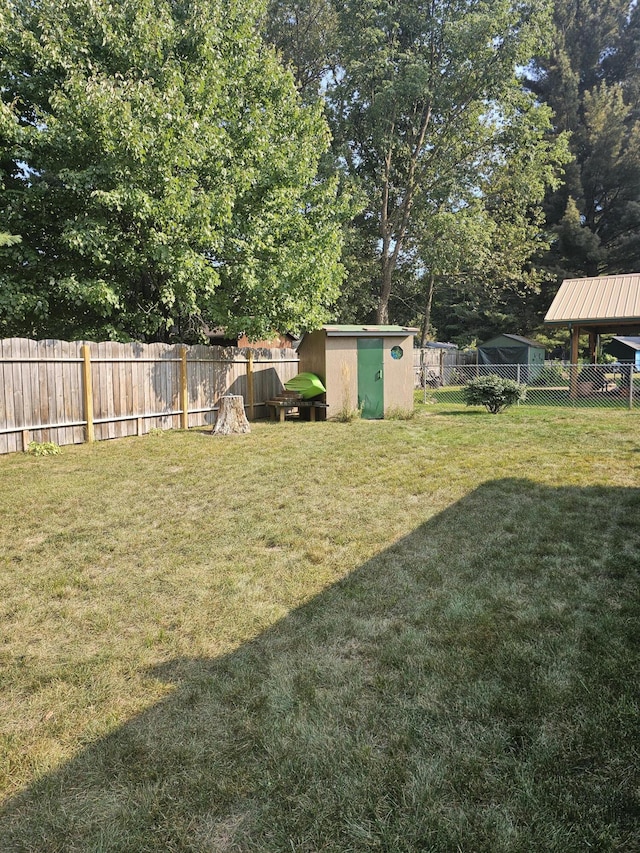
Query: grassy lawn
x=409, y=635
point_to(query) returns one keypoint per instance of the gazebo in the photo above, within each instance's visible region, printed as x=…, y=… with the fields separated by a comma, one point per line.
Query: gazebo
x=608, y=304
x=604, y=305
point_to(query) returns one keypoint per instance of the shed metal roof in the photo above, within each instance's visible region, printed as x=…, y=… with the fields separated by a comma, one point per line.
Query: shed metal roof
x=604, y=300
x=363, y=331
x=517, y=338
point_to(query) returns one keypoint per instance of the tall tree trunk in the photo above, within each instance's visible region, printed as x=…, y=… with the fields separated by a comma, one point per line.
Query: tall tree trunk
x=426, y=322
x=382, y=311
x=394, y=224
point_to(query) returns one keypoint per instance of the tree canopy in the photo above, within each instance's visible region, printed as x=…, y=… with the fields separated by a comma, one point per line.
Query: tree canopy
x=161, y=171
x=160, y=168
x=591, y=79
x=433, y=127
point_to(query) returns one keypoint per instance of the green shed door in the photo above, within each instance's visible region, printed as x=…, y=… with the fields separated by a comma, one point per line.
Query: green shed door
x=370, y=378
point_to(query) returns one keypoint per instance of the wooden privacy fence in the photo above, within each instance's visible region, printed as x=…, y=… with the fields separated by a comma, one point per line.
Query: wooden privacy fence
x=434, y=361
x=70, y=392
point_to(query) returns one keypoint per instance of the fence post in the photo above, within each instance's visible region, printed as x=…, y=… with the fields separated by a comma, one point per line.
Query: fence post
x=250, y=395
x=87, y=392
x=573, y=374
x=184, y=389
x=631, y=371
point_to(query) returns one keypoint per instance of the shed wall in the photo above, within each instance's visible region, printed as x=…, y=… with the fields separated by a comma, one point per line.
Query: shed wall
x=335, y=360
x=342, y=374
x=398, y=374
x=621, y=350
x=311, y=353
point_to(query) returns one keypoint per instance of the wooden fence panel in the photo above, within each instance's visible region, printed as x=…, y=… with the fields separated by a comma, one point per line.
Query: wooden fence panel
x=46, y=404
x=135, y=387
x=7, y=416
x=33, y=413
x=272, y=369
x=200, y=384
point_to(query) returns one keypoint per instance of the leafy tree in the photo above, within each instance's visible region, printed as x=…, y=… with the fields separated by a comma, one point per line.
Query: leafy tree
x=304, y=31
x=162, y=172
x=428, y=115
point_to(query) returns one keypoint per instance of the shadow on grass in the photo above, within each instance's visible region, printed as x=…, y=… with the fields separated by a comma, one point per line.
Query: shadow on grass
x=465, y=413
x=473, y=687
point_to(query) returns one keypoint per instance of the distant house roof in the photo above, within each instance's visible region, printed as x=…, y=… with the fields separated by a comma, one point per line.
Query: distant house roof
x=372, y=331
x=221, y=337
x=604, y=302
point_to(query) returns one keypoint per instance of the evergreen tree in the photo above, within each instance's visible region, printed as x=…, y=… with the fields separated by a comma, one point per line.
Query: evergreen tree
x=591, y=79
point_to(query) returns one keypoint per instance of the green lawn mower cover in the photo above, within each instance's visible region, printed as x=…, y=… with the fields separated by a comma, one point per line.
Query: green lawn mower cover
x=308, y=385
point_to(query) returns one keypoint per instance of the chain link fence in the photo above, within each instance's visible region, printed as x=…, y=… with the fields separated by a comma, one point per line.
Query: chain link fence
x=552, y=384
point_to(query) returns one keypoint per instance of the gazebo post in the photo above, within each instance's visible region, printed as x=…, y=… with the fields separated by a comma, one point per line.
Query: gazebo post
x=575, y=335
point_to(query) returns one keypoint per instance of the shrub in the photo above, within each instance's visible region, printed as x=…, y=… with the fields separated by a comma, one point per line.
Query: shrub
x=494, y=392
x=551, y=374
x=44, y=448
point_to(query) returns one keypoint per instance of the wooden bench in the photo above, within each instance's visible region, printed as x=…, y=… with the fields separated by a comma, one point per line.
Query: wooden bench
x=285, y=403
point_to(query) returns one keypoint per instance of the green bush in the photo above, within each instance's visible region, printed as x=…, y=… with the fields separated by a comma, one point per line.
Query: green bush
x=494, y=392
x=552, y=374
x=44, y=448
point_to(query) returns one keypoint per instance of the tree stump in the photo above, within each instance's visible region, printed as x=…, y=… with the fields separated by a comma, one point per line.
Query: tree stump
x=232, y=419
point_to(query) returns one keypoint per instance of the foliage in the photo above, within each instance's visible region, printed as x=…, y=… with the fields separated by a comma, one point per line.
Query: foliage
x=347, y=415
x=162, y=172
x=43, y=448
x=551, y=374
x=304, y=32
x=424, y=143
x=9, y=239
x=590, y=77
x=398, y=413
x=494, y=392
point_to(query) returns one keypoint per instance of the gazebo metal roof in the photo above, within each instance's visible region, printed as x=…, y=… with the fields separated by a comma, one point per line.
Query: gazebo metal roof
x=600, y=304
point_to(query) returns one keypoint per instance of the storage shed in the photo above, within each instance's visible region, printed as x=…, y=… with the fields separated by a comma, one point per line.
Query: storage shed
x=362, y=367
x=513, y=349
